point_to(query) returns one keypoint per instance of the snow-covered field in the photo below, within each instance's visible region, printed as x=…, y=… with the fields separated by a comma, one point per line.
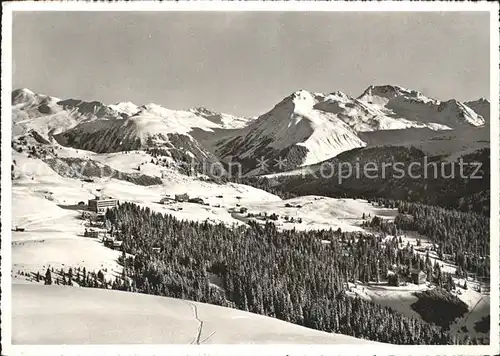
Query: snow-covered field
x=319, y=212
x=71, y=315
x=398, y=298
x=53, y=235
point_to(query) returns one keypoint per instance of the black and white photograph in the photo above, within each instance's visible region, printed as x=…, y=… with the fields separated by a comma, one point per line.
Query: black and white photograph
x=250, y=175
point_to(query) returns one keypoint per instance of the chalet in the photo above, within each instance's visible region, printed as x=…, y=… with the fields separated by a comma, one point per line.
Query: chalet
x=100, y=205
x=181, y=197
x=418, y=276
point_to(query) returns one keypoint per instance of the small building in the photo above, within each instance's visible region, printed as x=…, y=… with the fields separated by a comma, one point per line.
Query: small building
x=418, y=276
x=196, y=200
x=117, y=244
x=393, y=279
x=165, y=200
x=243, y=210
x=93, y=234
x=181, y=197
x=100, y=205
x=108, y=241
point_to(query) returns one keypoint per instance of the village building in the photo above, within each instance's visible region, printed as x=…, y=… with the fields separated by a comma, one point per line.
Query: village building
x=93, y=234
x=418, y=276
x=100, y=205
x=196, y=200
x=181, y=197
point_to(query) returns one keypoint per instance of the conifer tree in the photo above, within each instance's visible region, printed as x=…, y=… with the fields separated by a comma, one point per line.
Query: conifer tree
x=48, y=277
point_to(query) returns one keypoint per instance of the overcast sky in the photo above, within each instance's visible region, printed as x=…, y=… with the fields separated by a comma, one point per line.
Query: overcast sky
x=244, y=63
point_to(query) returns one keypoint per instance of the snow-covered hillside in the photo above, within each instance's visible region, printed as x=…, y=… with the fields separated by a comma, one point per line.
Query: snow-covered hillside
x=69, y=315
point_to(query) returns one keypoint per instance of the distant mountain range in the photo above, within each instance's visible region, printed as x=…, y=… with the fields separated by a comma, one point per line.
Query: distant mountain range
x=303, y=129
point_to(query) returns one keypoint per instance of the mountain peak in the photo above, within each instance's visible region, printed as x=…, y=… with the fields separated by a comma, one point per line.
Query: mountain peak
x=480, y=100
x=22, y=95
x=125, y=107
x=337, y=95
x=387, y=91
x=23, y=91
x=202, y=111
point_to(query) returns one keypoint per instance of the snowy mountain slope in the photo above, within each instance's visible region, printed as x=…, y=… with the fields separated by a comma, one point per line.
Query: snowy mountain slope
x=401, y=103
x=480, y=106
x=97, y=316
x=304, y=128
x=90, y=109
x=225, y=121
x=48, y=114
x=151, y=124
x=293, y=130
x=452, y=143
x=42, y=113
x=126, y=107
x=152, y=127
x=363, y=117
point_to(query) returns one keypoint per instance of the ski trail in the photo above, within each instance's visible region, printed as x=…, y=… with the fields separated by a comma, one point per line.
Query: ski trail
x=196, y=338
x=208, y=337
